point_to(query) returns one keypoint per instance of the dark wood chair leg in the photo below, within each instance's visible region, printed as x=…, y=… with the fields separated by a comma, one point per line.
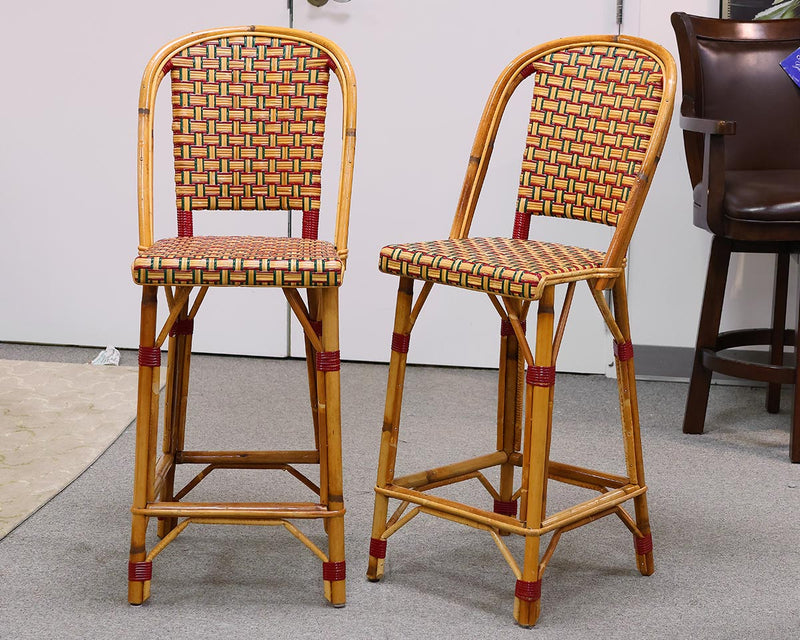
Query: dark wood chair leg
x=778, y=327
x=794, y=433
x=710, y=316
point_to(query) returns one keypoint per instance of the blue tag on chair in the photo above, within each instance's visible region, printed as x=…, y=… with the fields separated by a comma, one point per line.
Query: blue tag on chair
x=791, y=65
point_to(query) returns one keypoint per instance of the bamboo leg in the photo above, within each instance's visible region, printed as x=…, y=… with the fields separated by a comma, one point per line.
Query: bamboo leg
x=176, y=391
x=391, y=425
x=629, y=408
x=330, y=396
x=139, y=589
x=509, y=403
x=527, y=595
x=794, y=433
x=313, y=313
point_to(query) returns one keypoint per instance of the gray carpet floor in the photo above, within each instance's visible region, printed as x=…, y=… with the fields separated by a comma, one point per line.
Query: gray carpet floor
x=724, y=506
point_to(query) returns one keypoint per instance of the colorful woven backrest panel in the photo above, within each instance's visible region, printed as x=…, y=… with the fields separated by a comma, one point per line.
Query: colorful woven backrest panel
x=248, y=124
x=591, y=120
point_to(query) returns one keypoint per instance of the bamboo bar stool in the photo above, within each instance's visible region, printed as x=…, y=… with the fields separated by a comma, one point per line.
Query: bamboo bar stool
x=248, y=120
x=600, y=113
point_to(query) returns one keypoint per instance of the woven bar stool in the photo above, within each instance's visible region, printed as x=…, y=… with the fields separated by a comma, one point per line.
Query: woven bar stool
x=600, y=113
x=248, y=120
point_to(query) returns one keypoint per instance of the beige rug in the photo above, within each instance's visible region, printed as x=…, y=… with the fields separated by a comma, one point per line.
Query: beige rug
x=55, y=420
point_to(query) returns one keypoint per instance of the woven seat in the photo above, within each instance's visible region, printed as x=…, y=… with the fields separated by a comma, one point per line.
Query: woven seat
x=599, y=116
x=248, y=123
x=504, y=266
x=239, y=260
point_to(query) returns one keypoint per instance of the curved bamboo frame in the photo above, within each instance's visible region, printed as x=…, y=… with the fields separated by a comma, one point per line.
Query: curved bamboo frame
x=154, y=74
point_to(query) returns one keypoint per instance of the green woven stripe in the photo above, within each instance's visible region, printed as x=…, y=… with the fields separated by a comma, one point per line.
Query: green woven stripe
x=591, y=120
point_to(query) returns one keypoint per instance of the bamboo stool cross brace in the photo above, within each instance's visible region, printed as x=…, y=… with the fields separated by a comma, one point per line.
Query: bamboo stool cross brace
x=248, y=107
x=599, y=118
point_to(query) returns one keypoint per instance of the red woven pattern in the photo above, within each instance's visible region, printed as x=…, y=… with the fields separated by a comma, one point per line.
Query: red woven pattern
x=506, y=508
x=623, y=350
x=239, y=260
x=149, y=357
x=400, y=342
x=497, y=265
x=377, y=548
x=248, y=123
x=185, y=224
x=541, y=376
x=140, y=571
x=643, y=545
x=592, y=116
x=183, y=327
x=528, y=591
x=333, y=571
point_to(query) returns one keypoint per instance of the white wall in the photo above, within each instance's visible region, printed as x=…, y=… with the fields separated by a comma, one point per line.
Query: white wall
x=424, y=70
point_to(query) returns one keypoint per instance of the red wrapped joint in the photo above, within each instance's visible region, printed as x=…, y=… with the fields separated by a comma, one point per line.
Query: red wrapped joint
x=310, y=225
x=185, y=224
x=400, y=342
x=183, y=327
x=377, y=548
x=328, y=361
x=643, y=545
x=541, y=376
x=507, y=329
x=506, y=508
x=528, y=591
x=149, y=357
x=140, y=571
x=522, y=226
x=623, y=350
x=333, y=571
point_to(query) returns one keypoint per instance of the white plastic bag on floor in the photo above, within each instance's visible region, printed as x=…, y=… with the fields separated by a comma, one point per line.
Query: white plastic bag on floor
x=109, y=356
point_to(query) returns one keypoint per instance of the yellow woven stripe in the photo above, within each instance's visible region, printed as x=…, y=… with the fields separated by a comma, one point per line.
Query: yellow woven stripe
x=592, y=115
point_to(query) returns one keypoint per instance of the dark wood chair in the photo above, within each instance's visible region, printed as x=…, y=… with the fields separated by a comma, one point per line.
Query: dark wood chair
x=741, y=121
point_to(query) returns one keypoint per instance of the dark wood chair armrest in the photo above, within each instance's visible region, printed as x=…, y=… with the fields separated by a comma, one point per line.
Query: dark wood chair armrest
x=707, y=125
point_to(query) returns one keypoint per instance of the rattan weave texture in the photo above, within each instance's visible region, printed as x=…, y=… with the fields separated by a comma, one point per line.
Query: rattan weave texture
x=592, y=117
x=239, y=260
x=248, y=124
x=504, y=266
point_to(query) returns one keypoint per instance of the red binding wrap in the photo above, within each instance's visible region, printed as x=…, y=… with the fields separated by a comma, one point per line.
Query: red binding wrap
x=506, y=507
x=507, y=329
x=400, y=342
x=310, y=225
x=185, y=224
x=316, y=325
x=643, y=545
x=528, y=591
x=541, y=376
x=183, y=327
x=328, y=361
x=623, y=350
x=377, y=548
x=149, y=357
x=522, y=226
x=140, y=571
x=333, y=571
